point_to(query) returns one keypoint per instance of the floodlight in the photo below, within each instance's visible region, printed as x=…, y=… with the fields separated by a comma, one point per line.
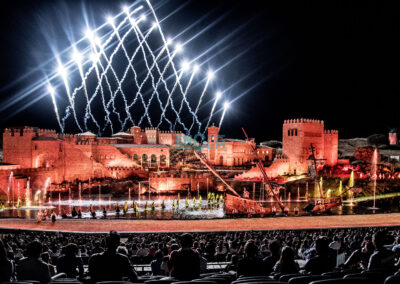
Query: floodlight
x=143, y=17
x=94, y=57
x=89, y=34
x=154, y=25
x=169, y=41
x=51, y=90
x=62, y=72
x=196, y=68
x=226, y=105
x=218, y=95
x=210, y=75
x=125, y=9
x=178, y=48
x=185, y=65
x=110, y=21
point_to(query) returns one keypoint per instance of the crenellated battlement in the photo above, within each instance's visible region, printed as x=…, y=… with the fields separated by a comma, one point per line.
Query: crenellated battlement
x=303, y=120
x=331, y=132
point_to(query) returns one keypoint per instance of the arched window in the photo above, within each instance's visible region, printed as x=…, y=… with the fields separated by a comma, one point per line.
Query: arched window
x=153, y=159
x=144, y=158
x=163, y=160
x=135, y=157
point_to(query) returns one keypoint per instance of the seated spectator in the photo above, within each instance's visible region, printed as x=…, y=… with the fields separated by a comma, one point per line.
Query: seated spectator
x=32, y=267
x=6, y=266
x=271, y=260
x=233, y=264
x=360, y=257
x=382, y=258
x=185, y=262
x=323, y=261
x=110, y=265
x=250, y=265
x=286, y=263
x=69, y=263
x=156, y=264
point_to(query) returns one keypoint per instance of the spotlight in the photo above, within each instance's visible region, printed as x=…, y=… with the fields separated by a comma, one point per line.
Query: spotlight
x=169, y=41
x=125, y=9
x=89, y=34
x=76, y=56
x=210, y=75
x=142, y=17
x=94, y=57
x=62, y=72
x=218, y=95
x=226, y=105
x=185, y=65
x=196, y=68
x=110, y=21
x=178, y=48
x=51, y=90
x=154, y=25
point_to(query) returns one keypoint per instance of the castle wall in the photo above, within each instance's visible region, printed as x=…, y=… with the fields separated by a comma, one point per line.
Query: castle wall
x=331, y=147
x=182, y=182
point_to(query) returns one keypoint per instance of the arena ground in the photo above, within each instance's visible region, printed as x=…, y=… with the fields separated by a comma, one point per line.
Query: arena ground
x=240, y=224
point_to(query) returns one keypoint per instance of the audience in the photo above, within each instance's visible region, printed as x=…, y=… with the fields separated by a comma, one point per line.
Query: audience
x=250, y=253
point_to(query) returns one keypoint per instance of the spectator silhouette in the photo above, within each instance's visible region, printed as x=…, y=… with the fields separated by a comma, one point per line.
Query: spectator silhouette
x=110, y=265
x=286, y=263
x=323, y=261
x=382, y=258
x=185, y=262
x=69, y=263
x=6, y=266
x=32, y=267
x=271, y=260
x=250, y=265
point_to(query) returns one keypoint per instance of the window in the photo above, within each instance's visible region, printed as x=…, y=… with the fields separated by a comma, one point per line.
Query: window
x=288, y=132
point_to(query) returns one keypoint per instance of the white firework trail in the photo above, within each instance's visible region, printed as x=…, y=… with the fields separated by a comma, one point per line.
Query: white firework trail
x=217, y=97
x=185, y=92
x=53, y=99
x=172, y=103
x=199, y=103
x=154, y=91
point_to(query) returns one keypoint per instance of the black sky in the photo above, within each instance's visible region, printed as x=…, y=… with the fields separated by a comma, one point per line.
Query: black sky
x=332, y=60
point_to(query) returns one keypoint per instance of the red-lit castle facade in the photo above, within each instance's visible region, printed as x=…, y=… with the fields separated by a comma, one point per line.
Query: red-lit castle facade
x=39, y=154
x=297, y=138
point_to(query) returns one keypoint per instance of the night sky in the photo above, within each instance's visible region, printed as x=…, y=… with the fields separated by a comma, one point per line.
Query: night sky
x=338, y=61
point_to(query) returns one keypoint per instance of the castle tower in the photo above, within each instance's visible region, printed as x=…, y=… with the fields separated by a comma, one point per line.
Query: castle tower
x=137, y=134
x=212, y=132
x=393, y=138
x=17, y=146
x=152, y=135
x=298, y=136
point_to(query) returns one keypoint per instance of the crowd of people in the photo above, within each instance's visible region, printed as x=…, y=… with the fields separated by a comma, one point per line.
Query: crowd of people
x=99, y=257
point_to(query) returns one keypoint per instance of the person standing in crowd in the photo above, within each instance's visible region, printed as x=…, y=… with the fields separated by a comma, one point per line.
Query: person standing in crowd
x=69, y=263
x=110, y=265
x=32, y=267
x=156, y=264
x=185, y=262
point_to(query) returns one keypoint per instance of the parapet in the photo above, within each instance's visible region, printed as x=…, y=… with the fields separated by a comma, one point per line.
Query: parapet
x=330, y=132
x=303, y=120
